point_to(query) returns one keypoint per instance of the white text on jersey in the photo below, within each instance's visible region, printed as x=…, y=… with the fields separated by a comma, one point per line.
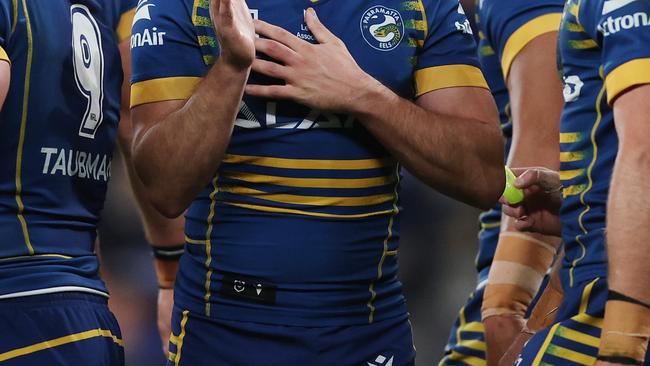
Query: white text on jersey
x=74, y=163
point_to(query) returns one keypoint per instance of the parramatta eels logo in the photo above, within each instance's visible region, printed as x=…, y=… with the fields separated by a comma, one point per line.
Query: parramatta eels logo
x=382, y=28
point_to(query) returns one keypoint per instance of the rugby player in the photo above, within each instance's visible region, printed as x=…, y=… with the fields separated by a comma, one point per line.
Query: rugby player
x=604, y=52
x=517, y=42
x=292, y=232
x=58, y=129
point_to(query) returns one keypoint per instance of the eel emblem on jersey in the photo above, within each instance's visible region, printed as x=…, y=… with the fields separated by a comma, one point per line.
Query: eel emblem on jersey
x=382, y=28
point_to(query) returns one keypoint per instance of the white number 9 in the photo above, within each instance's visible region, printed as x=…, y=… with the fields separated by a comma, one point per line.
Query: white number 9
x=88, y=60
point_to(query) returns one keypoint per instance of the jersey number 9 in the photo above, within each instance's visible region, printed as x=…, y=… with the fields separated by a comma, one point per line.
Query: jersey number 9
x=88, y=60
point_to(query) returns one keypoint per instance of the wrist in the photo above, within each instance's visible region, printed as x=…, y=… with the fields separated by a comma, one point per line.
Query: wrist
x=626, y=330
x=368, y=97
x=166, y=261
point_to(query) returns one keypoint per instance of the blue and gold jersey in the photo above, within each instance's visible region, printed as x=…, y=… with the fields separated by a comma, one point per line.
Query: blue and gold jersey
x=604, y=49
x=505, y=28
x=57, y=133
x=305, y=205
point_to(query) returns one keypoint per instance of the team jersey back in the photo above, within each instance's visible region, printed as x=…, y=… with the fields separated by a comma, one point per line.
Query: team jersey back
x=57, y=133
x=604, y=50
x=505, y=28
x=305, y=205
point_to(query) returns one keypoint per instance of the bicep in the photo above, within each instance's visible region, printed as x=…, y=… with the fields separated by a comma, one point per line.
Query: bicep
x=5, y=78
x=471, y=103
x=632, y=118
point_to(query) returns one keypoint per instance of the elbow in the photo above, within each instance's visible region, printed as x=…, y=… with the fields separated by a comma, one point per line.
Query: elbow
x=169, y=208
x=494, y=181
x=491, y=175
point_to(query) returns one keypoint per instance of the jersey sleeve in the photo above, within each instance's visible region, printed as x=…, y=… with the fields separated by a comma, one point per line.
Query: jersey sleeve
x=510, y=25
x=6, y=23
x=621, y=28
x=126, y=13
x=166, y=57
x=448, y=56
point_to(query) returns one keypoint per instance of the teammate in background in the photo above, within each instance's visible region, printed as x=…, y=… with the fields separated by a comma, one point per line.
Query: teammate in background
x=605, y=66
x=517, y=43
x=59, y=125
x=58, y=132
x=292, y=232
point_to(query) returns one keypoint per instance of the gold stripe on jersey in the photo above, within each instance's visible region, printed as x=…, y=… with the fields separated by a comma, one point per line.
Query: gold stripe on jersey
x=303, y=212
x=208, y=245
x=583, y=44
x=579, y=337
x=590, y=181
x=181, y=338
x=570, y=355
x=93, y=333
x=14, y=21
x=570, y=174
x=23, y=127
x=3, y=55
x=286, y=163
x=524, y=35
x=322, y=201
x=570, y=137
x=416, y=24
x=310, y=182
x=475, y=344
x=545, y=345
x=423, y=11
x=573, y=190
x=631, y=73
x=198, y=20
x=574, y=27
x=571, y=156
x=124, y=25
x=448, y=76
x=49, y=255
x=389, y=236
x=466, y=359
x=162, y=89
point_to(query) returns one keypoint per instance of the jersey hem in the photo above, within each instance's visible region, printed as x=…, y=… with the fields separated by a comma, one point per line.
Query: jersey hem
x=525, y=34
x=625, y=76
x=448, y=76
x=3, y=55
x=163, y=89
x=52, y=290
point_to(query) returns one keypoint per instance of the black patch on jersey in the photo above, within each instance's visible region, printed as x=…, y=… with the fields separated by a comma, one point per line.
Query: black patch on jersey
x=248, y=289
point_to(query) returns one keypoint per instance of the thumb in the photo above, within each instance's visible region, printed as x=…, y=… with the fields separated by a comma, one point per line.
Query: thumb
x=527, y=179
x=322, y=34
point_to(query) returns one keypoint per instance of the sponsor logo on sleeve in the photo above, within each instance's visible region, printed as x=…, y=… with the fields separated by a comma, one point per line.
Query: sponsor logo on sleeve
x=150, y=36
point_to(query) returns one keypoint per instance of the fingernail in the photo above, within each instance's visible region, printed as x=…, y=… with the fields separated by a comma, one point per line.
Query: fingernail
x=312, y=12
x=523, y=218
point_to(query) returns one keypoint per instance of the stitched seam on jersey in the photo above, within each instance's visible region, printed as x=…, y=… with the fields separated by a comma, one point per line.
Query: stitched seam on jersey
x=181, y=338
x=590, y=184
x=208, y=245
x=21, y=138
x=547, y=341
x=52, y=343
x=391, y=221
x=586, y=294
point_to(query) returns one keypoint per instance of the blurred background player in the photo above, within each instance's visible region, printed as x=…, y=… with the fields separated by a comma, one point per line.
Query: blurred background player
x=517, y=43
x=59, y=127
x=292, y=244
x=604, y=52
x=57, y=132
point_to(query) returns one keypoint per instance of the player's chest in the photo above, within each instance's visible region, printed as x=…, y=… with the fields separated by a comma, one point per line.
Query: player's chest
x=383, y=36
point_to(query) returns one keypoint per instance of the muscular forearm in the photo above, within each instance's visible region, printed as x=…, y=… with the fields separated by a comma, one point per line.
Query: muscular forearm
x=628, y=231
x=460, y=157
x=177, y=153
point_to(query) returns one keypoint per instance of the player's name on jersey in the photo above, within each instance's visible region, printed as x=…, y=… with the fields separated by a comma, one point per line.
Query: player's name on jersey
x=73, y=163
